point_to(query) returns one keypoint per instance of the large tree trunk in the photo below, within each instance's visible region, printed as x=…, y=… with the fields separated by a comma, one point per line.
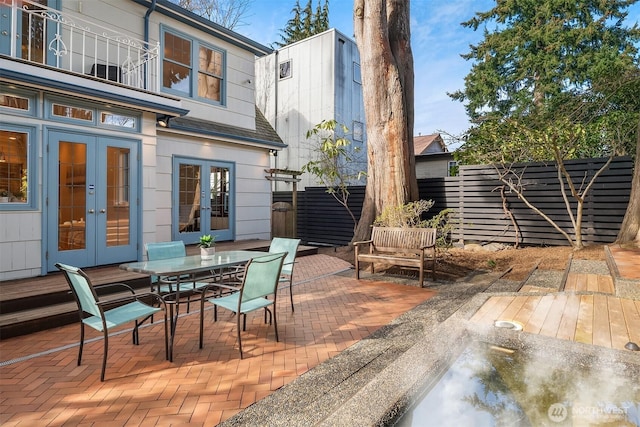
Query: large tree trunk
x=386, y=62
x=630, y=228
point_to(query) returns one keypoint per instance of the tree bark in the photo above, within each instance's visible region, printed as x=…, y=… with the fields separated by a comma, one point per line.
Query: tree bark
x=386, y=63
x=630, y=227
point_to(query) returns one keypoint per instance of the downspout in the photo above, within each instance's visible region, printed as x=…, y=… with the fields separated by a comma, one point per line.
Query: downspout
x=275, y=110
x=152, y=7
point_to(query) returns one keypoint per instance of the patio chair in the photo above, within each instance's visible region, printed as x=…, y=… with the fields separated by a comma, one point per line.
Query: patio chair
x=107, y=314
x=259, y=281
x=290, y=246
x=165, y=285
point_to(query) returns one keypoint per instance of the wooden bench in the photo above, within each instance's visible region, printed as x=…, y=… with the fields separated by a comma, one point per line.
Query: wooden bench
x=405, y=247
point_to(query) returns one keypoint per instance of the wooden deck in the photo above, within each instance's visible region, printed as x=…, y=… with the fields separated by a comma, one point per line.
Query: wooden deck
x=587, y=312
x=581, y=282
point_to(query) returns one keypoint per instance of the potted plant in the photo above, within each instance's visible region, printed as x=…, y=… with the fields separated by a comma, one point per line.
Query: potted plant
x=207, y=246
x=4, y=195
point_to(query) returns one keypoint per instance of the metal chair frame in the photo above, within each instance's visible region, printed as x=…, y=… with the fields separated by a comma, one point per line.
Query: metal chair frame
x=107, y=314
x=260, y=280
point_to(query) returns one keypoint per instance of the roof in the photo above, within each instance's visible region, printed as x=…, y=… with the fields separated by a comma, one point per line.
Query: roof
x=263, y=133
x=193, y=20
x=428, y=144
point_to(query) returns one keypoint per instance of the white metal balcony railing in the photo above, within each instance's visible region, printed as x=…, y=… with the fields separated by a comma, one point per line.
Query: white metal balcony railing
x=49, y=37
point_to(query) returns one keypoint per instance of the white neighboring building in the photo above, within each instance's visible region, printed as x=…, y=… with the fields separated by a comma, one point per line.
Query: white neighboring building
x=301, y=84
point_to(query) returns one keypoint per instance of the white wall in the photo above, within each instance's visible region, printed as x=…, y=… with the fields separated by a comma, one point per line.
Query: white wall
x=320, y=88
x=253, y=194
x=127, y=17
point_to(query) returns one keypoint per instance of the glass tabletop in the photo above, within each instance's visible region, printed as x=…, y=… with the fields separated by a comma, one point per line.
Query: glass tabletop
x=190, y=263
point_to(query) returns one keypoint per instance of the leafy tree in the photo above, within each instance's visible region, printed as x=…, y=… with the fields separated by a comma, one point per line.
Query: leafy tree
x=386, y=61
x=548, y=83
x=333, y=158
x=305, y=23
x=227, y=13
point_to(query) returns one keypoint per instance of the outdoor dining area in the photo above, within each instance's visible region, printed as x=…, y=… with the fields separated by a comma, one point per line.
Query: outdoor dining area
x=241, y=281
x=42, y=383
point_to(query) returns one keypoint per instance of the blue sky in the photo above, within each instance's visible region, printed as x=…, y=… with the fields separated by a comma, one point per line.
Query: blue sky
x=437, y=40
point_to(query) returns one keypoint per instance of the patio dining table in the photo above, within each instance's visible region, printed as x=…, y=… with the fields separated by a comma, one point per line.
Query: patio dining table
x=186, y=269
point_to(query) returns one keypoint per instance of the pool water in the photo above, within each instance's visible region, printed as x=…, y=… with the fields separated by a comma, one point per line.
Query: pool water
x=494, y=386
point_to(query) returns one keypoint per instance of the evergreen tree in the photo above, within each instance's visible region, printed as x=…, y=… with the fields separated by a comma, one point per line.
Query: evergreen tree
x=308, y=22
x=542, y=62
x=536, y=52
x=304, y=23
x=321, y=18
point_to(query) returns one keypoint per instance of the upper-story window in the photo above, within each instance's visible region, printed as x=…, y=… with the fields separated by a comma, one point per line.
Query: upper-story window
x=356, y=73
x=192, y=68
x=285, y=69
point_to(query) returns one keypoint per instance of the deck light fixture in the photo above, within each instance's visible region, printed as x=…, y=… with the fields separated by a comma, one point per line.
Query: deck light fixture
x=163, y=121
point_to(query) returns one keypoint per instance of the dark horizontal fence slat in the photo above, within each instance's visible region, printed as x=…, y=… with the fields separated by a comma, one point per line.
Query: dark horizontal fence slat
x=475, y=198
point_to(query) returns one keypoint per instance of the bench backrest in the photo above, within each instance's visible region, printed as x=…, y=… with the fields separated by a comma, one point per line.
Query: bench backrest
x=387, y=238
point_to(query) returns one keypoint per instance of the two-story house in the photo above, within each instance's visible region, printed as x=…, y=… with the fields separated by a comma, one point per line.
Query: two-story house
x=124, y=122
x=304, y=83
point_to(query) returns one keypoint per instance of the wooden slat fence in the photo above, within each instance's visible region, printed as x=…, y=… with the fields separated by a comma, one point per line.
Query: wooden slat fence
x=475, y=197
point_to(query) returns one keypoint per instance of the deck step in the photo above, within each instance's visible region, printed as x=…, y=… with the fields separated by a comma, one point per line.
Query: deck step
x=29, y=314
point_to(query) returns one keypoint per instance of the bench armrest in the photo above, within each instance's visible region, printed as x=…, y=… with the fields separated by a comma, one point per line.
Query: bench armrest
x=364, y=242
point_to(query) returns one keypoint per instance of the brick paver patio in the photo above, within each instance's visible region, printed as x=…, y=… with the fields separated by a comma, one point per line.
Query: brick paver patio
x=41, y=384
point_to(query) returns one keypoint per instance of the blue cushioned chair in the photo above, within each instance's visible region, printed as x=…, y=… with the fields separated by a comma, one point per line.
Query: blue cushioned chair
x=290, y=246
x=260, y=280
x=107, y=314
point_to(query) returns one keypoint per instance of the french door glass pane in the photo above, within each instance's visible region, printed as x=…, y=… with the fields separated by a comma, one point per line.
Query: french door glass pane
x=118, y=190
x=219, y=186
x=189, y=198
x=72, y=203
x=14, y=147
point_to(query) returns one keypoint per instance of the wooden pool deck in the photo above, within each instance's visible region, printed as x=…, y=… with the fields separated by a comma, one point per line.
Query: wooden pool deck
x=586, y=311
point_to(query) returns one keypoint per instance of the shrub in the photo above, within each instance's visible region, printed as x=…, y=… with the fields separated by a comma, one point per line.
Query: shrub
x=407, y=215
x=410, y=215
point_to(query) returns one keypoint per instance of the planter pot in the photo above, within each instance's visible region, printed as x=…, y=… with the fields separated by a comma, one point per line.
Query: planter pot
x=4, y=199
x=207, y=253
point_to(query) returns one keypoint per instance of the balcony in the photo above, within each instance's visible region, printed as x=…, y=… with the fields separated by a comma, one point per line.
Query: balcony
x=58, y=40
